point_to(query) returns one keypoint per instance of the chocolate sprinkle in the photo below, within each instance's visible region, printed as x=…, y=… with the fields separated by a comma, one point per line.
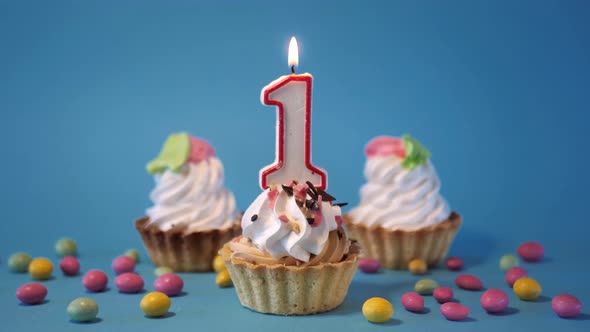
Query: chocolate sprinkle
x=288, y=190
x=311, y=204
x=311, y=186
x=254, y=217
x=339, y=234
x=310, y=221
x=312, y=194
x=325, y=196
x=340, y=204
x=299, y=203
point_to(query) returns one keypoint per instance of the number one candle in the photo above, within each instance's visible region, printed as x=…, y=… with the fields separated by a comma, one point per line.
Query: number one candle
x=291, y=94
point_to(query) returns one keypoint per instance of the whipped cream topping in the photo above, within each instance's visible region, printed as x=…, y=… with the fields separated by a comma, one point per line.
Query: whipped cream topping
x=395, y=197
x=194, y=197
x=291, y=221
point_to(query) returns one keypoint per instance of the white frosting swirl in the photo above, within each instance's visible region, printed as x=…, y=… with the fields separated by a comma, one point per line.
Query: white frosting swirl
x=397, y=198
x=295, y=238
x=194, y=197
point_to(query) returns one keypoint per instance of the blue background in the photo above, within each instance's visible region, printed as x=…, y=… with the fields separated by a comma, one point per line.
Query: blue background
x=497, y=90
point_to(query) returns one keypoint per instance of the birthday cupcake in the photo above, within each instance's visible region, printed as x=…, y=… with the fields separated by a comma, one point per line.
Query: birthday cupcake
x=293, y=258
x=402, y=215
x=193, y=213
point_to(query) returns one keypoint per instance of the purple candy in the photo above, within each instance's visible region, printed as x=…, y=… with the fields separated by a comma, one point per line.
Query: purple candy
x=514, y=274
x=129, y=283
x=454, y=263
x=469, y=282
x=566, y=306
x=454, y=311
x=123, y=264
x=531, y=251
x=69, y=265
x=494, y=300
x=95, y=280
x=443, y=294
x=31, y=293
x=413, y=302
x=169, y=284
x=369, y=265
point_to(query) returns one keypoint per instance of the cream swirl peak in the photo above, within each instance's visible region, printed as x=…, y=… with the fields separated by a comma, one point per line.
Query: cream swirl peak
x=189, y=189
x=291, y=220
x=402, y=189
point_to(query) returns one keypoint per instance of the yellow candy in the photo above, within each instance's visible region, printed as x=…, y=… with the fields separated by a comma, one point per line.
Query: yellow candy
x=223, y=279
x=40, y=268
x=155, y=304
x=218, y=264
x=417, y=266
x=377, y=310
x=527, y=289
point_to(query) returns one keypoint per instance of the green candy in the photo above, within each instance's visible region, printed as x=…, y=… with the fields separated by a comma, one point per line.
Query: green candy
x=416, y=154
x=508, y=261
x=425, y=286
x=82, y=309
x=133, y=253
x=162, y=270
x=66, y=247
x=19, y=262
x=173, y=155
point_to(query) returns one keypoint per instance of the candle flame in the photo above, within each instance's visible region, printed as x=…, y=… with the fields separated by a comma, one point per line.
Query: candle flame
x=293, y=53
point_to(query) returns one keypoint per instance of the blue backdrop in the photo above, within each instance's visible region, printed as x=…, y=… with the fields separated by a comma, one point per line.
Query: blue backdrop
x=497, y=90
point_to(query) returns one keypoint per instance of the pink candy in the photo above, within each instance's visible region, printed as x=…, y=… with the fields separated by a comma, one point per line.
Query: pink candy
x=369, y=265
x=531, y=251
x=31, y=293
x=200, y=150
x=169, y=284
x=443, y=294
x=566, y=306
x=413, y=302
x=454, y=311
x=129, y=283
x=95, y=281
x=69, y=265
x=469, y=282
x=514, y=274
x=383, y=146
x=494, y=300
x=454, y=263
x=123, y=264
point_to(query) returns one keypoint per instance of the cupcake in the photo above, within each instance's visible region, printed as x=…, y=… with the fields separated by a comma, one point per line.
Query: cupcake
x=401, y=215
x=193, y=213
x=293, y=258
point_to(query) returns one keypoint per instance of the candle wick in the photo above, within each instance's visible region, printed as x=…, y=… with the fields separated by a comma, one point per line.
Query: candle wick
x=293, y=69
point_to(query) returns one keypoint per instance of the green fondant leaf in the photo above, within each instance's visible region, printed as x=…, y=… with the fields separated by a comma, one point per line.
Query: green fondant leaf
x=173, y=155
x=416, y=154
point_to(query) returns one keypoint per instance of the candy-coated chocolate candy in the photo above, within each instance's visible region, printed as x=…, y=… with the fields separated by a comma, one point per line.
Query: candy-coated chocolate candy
x=223, y=279
x=454, y=311
x=169, y=284
x=66, y=247
x=425, y=286
x=31, y=293
x=443, y=294
x=200, y=150
x=507, y=262
x=82, y=309
x=413, y=302
x=19, y=262
x=161, y=270
x=531, y=251
x=129, y=282
x=527, y=289
x=417, y=266
x=69, y=265
x=383, y=146
x=377, y=310
x=494, y=300
x=369, y=265
x=123, y=264
x=218, y=264
x=566, y=306
x=469, y=282
x=155, y=304
x=40, y=268
x=95, y=280
x=454, y=263
x=133, y=253
x=514, y=274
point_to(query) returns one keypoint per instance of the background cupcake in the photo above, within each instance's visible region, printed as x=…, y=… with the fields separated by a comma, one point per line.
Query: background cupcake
x=401, y=215
x=193, y=213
